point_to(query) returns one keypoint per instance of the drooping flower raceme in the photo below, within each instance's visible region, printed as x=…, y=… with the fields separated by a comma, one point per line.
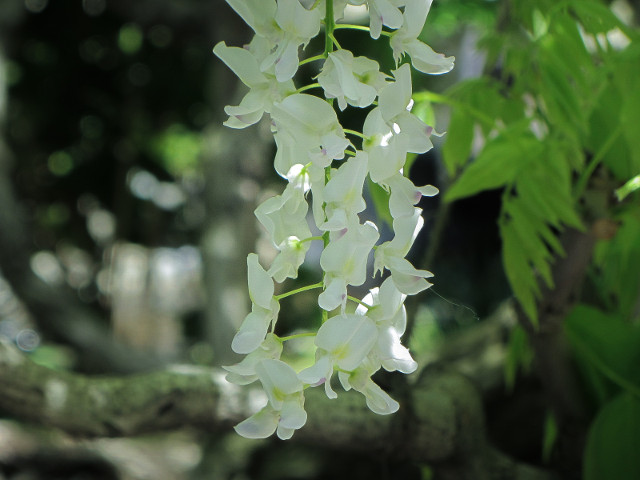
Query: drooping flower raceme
x=322, y=166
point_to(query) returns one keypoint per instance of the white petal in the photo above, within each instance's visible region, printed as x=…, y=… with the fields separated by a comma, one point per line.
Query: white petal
x=393, y=355
x=319, y=373
x=261, y=287
x=259, y=425
x=244, y=372
x=252, y=331
x=242, y=63
x=348, y=338
x=279, y=380
x=378, y=400
x=293, y=414
x=425, y=60
x=395, y=97
x=334, y=295
x=407, y=278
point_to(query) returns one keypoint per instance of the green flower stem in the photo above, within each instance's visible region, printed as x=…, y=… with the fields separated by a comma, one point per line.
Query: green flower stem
x=298, y=290
x=350, y=153
x=329, y=26
x=360, y=302
x=308, y=87
x=356, y=133
x=297, y=335
x=363, y=28
x=312, y=59
x=311, y=239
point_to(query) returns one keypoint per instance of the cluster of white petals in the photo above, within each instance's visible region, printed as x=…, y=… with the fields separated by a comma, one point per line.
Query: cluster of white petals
x=322, y=166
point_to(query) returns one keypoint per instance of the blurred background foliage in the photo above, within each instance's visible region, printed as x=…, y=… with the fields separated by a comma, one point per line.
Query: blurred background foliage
x=124, y=195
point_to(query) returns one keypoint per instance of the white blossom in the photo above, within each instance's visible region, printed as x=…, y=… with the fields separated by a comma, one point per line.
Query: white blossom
x=342, y=195
x=393, y=130
x=390, y=255
x=284, y=218
x=386, y=308
x=307, y=125
x=349, y=79
x=381, y=12
x=264, y=309
x=286, y=25
x=319, y=165
x=343, y=341
x=285, y=411
x=264, y=91
x=244, y=372
x=405, y=40
x=344, y=262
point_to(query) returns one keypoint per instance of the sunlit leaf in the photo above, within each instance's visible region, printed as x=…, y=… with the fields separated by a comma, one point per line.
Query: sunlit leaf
x=497, y=165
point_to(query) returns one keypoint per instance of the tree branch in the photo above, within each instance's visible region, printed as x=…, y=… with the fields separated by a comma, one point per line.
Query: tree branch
x=441, y=421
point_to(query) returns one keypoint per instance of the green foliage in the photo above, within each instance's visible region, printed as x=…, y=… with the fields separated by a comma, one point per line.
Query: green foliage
x=608, y=344
x=519, y=355
x=178, y=149
x=614, y=441
x=562, y=104
x=608, y=350
x=616, y=272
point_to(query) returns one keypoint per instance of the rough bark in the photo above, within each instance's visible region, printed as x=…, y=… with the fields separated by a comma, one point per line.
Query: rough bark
x=441, y=422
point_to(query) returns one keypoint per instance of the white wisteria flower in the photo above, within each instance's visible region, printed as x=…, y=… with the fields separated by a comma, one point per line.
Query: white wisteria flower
x=322, y=166
x=284, y=218
x=381, y=12
x=264, y=308
x=393, y=130
x=360, y=380
x=286, y=24
x=344, y=262
x=285, y=411
x=306, y=125
x=391, y=255
x=343, y=341
x=264, y=91
x=353, y=80
x=404, y=195
x=244, y=372
x=405, y=40
x=342, y=195
x=386, y=309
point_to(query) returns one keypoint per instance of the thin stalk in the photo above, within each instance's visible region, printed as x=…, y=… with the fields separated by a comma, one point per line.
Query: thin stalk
x=308, y=87
x=298, y=335
x=298, y=290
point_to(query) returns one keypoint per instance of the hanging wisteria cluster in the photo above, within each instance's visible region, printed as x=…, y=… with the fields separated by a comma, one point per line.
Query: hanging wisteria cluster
x=315, y=156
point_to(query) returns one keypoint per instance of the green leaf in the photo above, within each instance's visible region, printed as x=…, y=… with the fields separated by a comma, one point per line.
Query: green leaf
x=496, y=166
x=594, y=16
x=618, y=263
x=457, y=146
x=608, y=343
x=563, y=106
x=519, y=355
x=613, y=444
x=518, y=270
